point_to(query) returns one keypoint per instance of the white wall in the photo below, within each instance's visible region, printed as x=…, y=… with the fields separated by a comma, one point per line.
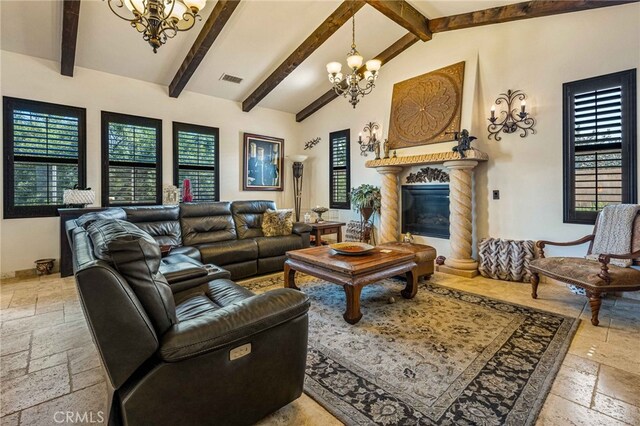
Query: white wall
x=536, y=56
x=24, y=240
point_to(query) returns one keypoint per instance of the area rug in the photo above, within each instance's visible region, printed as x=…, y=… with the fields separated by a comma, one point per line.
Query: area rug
x=446, y=357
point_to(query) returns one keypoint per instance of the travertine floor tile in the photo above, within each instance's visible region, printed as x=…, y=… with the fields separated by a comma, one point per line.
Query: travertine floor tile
x=34, y=388
x=303, y=411
x=31, y=323
x=576, y=380
x=87, y=378
x=608, y=353
x=617, y=409
x=47, y=361
x=559, y=411
x=619, y=384
x=62, y=337
x=15, y=343
x=14, y=365
x=10, y=420
x=83, y=358
x=5, y=299
x=17, y=312
x=89, y=404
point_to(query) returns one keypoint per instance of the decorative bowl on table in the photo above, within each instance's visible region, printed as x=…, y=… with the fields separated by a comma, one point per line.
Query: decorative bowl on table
x=319, y=211
x=352, y=248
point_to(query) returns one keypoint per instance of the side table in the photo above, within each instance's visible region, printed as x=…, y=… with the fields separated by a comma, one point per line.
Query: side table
x=325, y=228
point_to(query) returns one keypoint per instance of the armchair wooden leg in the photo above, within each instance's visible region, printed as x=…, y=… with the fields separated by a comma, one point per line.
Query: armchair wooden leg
x=595, y=300
x=535, y=280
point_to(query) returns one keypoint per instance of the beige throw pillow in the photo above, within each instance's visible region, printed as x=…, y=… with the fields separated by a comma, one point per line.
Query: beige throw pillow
x=276, y=223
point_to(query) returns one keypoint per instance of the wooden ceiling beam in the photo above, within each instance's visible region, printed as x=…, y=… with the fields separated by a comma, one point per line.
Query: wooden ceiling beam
x=212, y=28
x=405, y=15
x=517, y=11
x=342, y=14
x=70, y=19
x=385, y=56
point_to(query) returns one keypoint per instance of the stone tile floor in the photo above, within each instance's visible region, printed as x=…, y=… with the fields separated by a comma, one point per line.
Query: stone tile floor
x=49, y=365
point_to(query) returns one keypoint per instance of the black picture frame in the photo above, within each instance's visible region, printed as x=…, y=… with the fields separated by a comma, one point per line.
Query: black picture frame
x=263, y=161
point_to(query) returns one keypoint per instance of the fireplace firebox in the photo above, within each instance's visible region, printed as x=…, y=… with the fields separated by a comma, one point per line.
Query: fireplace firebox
x=425, y=210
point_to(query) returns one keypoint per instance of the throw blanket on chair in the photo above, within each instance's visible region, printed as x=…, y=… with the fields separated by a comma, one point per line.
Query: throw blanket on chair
x=613, y=233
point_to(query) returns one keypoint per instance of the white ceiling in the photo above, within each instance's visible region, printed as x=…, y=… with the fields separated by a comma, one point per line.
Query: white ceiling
x=257, y=38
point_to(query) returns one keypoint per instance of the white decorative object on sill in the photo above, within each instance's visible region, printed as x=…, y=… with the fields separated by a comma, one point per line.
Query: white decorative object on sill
x=78, y=197
x=170, y=195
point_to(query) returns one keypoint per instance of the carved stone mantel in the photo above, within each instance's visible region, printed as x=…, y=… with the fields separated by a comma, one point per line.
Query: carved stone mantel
x=460, y=261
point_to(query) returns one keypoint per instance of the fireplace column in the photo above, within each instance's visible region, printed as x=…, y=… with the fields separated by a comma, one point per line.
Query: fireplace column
x=461, y=220
x=389, y=221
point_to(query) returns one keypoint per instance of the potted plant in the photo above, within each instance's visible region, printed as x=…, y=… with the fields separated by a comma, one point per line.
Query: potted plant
x=366, y=199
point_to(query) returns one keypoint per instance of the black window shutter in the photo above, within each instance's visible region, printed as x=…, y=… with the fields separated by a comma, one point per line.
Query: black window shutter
x=339, y=169
x=196, y=157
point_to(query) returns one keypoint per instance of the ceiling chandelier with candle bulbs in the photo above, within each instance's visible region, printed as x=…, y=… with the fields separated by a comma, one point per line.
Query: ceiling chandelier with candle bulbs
x=349, y=86
x=158, y=20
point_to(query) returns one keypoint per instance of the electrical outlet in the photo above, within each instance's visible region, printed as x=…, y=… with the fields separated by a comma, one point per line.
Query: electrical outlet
x=496, y=194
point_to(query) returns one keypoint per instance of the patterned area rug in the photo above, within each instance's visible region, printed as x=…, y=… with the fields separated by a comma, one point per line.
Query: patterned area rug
x=446, y=357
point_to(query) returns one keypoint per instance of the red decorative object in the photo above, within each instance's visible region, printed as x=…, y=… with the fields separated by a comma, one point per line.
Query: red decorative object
x=186, y=191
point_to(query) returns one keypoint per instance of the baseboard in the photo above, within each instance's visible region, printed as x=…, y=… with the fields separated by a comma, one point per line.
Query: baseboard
x=28, y=273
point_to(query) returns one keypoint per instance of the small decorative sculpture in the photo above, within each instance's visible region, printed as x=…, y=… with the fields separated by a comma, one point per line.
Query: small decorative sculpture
x=395, y=154
x=464, y=142
x=407, y=238
x=312, y=143
x=386, y=148
x=376, y=149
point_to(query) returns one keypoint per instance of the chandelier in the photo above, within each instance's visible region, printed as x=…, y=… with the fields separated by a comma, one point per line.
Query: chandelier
x=159, y=20
x=352, y=90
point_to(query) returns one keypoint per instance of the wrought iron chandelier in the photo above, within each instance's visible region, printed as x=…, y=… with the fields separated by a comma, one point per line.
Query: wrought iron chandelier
x=159, y=20
x=350, y=87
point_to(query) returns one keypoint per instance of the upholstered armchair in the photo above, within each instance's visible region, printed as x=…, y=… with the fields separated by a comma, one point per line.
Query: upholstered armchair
x=594, y=276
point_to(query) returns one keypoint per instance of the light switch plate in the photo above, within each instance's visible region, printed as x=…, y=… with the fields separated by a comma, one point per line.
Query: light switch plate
x=240, y=351
x=496, y=194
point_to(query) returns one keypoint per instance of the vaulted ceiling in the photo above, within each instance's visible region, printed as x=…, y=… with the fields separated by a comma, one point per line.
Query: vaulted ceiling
x=258, y=36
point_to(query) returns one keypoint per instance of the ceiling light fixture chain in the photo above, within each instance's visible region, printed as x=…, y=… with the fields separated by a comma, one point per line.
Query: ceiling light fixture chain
x=349, y=86
x=159, y=20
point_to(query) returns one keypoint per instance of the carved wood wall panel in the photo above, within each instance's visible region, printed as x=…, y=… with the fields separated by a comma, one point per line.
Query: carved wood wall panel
x=427, y=107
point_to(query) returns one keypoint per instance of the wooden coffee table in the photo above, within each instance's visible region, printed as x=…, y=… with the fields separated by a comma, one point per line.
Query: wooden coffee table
x=352, y=272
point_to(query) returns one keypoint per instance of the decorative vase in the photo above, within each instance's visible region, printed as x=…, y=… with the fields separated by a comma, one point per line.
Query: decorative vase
x=366, y=213
x=44, y=266
x=186, y=191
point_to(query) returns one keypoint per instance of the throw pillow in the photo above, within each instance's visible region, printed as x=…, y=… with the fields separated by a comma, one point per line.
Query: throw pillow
x=103, y=231
x=276, y=223
x=138, y=260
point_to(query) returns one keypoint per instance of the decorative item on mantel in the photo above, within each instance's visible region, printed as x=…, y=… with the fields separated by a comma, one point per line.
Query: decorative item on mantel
x=78, y=197
x=313, y=142
x=512, y=121
x=370, y=141
x=319, y=210
x=428, y=174
x=298, y=170
x=464, y=142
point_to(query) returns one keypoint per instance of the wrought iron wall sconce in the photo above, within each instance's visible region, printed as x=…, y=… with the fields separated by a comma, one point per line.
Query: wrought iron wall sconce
x=370, y=143
x=511, y=121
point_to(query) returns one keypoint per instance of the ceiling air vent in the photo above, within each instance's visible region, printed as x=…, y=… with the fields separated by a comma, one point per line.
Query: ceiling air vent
x=231, y=78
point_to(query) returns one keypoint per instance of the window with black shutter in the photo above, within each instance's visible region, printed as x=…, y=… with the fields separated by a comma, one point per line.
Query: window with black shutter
x=44, y=154
x=339, y=169
x=131, y=160
x=195, y=157
x=599, y=145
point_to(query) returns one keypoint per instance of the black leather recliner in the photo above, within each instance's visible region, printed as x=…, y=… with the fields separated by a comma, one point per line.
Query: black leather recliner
x=211, y=353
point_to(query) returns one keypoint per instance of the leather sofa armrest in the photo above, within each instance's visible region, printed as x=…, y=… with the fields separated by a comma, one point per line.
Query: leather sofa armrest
x=232, y=323
x=300, y=228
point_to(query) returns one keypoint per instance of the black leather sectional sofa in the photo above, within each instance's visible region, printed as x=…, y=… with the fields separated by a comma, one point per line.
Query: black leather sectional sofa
x=182, y=344
x=225, y=234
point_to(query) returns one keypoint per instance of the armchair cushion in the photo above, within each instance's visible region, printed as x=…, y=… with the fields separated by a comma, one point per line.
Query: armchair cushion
x=138, y=261
x=584, y=273
x=215, y=328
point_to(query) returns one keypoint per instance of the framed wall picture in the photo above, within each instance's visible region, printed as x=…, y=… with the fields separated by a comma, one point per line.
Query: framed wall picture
x=263, y=162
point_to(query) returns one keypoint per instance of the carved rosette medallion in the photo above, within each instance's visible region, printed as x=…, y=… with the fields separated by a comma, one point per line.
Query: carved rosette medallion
x=425, y=108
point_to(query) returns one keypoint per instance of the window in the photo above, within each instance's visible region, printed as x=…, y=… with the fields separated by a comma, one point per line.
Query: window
x=44, y=154
x=599, y=145
x=195, y=157
x=339, y=170
x=131, y=160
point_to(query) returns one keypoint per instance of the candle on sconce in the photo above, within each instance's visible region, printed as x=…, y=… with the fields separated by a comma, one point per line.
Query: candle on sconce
x=523, y=104
x=493, y=111
x=360, y=137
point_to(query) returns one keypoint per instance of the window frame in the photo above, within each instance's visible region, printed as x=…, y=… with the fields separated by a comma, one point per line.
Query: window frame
x=196, y=128
x=627, y=80
x=338, y=134
x=135, y=120
x=10, y=211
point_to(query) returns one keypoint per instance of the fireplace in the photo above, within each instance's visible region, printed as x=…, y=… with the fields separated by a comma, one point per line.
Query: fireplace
x=425, y=210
